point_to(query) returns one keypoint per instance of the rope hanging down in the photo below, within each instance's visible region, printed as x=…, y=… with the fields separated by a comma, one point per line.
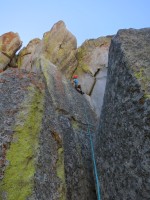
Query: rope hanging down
x=93, y=157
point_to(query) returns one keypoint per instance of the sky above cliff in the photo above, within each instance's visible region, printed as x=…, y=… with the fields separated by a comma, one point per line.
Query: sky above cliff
x=85, y=19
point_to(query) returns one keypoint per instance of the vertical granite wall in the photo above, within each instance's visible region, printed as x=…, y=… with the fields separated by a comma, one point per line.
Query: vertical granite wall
x=123, y=139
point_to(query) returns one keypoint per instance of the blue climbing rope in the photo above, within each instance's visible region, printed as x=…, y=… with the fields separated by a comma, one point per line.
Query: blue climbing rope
x=93, y=158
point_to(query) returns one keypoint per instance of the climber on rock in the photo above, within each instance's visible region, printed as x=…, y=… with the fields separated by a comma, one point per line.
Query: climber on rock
x=76, y=84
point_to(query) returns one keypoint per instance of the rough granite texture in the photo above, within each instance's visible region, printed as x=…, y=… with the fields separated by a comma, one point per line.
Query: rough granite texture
x=10, y=43
x=25, y=56
x=44, y=147
x=123, y=140
x=58, y=45
x=98, y=91
x=92, y=57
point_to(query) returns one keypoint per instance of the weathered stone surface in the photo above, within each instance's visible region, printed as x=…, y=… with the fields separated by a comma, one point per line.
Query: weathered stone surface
x=58, y=45
x=92, y=56
x=93, y=60
x=45, y=151
x=123, y=141
x=98, y=91
x=10, y=43
x=25, y=56
x=4, y=61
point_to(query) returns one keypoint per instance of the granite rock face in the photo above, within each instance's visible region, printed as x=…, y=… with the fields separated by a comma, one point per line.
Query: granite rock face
x=123, y=141
x=58, y=45
x=45, y=150
x=10, y=43
x=92, y=59
x=25, y=56
x=98, y=91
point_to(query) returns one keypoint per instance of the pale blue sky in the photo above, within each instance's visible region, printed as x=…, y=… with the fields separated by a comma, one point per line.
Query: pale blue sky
x=85, y=19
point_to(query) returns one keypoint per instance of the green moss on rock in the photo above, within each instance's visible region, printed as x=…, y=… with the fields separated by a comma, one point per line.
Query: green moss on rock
x=75, y=124
x=143, y=76
x=147, y=96
x=139, y=74
x=83, y=67
x=18, y=180
x=80, y=54
x=60, y=170
x=86, y=68
x=19, y=61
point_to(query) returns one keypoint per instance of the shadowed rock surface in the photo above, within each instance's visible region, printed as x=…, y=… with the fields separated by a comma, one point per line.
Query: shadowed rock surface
x=123, y=141
x=45, y=151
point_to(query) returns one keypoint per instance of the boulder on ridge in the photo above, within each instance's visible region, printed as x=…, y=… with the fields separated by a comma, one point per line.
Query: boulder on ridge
x=10, y=43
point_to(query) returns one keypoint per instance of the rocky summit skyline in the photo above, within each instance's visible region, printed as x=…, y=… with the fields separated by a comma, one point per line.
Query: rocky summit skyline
x=85, y=19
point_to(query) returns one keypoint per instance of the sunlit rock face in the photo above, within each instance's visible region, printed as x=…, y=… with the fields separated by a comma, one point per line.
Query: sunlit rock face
x=92, y=57
x=44, y=142
x=92, y=69
x=58, y=45
x=10, y=43
x=98, y=91
x=25, y=56
x=123, y=139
